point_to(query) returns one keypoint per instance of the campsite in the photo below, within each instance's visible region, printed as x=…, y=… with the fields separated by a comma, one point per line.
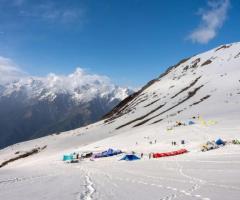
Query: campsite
x=179, y=175
x=178, y=137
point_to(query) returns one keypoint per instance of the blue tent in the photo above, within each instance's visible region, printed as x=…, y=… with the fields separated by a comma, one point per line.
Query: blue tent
x=109, y=152
x=191, y=123
x=130, y=157
x=67, y=157
x=220, y=142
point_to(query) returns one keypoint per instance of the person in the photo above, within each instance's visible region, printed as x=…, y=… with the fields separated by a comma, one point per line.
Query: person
x=141, y=155
x=149, y=155
x=155, y=141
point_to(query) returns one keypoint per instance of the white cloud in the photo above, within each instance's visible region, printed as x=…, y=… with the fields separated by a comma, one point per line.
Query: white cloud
x=212, y=19
x=80, y=79
x=52, y=12
x=9, y=71
x=83, y=85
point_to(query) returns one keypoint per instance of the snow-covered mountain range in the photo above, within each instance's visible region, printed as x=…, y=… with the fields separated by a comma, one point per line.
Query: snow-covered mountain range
x=82, y=87
x=36, y=106
x=204, y=88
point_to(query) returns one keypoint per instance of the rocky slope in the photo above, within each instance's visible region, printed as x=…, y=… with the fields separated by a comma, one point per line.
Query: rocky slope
x=207, y=84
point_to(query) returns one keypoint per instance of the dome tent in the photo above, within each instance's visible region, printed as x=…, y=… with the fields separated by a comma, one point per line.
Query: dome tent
x=220, y=142
x=130, y=157
x=191, y=123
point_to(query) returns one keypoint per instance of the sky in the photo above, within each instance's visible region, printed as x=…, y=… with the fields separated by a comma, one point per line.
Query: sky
x=130, y=41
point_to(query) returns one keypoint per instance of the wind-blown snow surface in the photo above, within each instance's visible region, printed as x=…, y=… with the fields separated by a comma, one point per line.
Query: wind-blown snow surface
x=206, y=85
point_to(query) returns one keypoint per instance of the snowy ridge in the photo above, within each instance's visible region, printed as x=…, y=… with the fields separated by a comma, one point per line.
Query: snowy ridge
x=189, y=87
x=82, y=87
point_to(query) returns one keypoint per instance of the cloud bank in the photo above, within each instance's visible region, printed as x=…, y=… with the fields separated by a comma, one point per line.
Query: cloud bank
x=80, y=79
x=80, y=84
x=212, y=19
x=10, y=72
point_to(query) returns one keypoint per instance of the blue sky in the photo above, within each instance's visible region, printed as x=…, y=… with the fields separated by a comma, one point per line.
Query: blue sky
x=131, y=41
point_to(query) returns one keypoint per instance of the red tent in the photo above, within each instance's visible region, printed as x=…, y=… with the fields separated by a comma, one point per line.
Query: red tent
x=172, y=153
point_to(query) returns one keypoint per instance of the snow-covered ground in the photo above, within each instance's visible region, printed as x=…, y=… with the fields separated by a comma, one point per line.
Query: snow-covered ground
x=143, y=125
x=210, y=175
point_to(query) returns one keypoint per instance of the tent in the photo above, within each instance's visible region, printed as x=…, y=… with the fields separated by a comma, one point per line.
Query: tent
x=130, y=157
x=86, y=154
x=172, y=153
x=220, y=142
x=191, y=123
x=68, y=157
x=209, y=146
x=208, y=122
x=236, y=141
x=109, y=152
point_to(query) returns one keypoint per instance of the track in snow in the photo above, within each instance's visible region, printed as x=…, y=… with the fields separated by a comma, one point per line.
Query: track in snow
x=154, y=182
x=90, y=190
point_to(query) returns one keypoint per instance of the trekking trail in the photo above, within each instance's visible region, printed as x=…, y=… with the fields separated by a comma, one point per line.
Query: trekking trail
x=90, y=190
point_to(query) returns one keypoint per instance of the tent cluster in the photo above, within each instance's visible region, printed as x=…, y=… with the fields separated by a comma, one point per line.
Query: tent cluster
x=108, y=153
x=178, y=123
x=192, y=121
x=210, y=145
x=75, y=157
x=206, y=122
x=236, y=141
x=171, y=153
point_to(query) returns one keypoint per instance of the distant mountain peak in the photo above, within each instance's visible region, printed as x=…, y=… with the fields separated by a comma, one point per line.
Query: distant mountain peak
x=37, y=106
x=80, y=85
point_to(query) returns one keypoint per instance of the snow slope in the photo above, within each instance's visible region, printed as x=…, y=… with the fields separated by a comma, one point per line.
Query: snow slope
x=205, y=86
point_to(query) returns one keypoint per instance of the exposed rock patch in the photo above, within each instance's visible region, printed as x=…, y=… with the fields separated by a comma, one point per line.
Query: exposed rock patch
x=186, y=88
x=222, y=47
x=140, y=118
x=201, y=100
x=23, y=155
x=206, y=62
